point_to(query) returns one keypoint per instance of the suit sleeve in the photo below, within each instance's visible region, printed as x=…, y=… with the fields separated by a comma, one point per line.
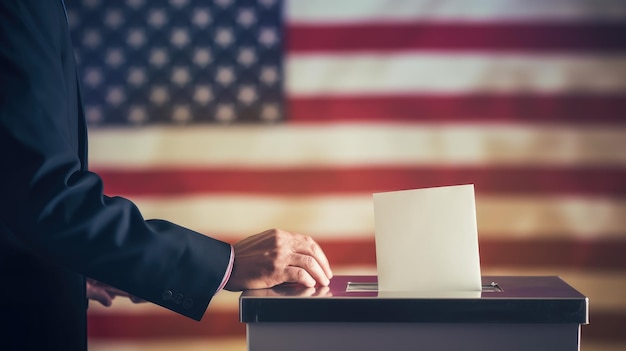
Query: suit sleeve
x=54, y=207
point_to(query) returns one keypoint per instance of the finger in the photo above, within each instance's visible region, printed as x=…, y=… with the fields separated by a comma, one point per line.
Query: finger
x=311, y=266
x=306, y=245
x=106, y=301
x=135, y=299
x=102, y=297
x=298, y=275
x=321, y=258
x=115, y=291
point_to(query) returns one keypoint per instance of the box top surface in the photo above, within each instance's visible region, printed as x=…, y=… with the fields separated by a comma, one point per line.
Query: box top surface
x=504, y=299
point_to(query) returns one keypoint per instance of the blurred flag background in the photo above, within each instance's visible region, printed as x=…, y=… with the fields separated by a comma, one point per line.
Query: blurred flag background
x=232, y=117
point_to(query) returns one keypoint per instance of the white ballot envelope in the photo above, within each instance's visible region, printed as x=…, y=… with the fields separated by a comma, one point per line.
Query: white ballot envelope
x=427, y=240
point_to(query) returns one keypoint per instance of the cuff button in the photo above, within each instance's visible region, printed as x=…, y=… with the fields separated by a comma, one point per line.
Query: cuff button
x=166, y=295
x=178, y=298
x=187, y=303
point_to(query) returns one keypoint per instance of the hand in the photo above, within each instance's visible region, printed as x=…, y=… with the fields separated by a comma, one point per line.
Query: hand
x=274, y=257
x=104, y=293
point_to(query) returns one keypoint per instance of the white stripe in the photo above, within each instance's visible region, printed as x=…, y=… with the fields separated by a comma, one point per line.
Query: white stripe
x=421, y=72
x=268, y=147
x=327, y=217
x=604, y=289
x=351, y=11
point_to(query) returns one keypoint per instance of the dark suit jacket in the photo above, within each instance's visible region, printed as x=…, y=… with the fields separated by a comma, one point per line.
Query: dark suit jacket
x=56, y=225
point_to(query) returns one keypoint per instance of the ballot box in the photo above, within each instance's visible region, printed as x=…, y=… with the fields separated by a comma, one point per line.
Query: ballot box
x=511, y=313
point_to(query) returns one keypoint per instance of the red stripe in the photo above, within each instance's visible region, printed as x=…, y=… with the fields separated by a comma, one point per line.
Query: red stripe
x=527, y=180
x=501, y=108
x=605, y=326
x=605, y=254
x=545, y=37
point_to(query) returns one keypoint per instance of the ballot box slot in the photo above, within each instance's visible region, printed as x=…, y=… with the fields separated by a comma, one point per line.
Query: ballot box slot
x=373, y=286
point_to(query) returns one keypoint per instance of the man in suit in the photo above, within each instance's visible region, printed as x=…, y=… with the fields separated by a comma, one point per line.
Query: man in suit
x=57, y=226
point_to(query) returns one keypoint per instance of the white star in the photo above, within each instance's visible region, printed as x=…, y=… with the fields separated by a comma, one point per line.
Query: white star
x=225, y=75
x=247, y=56
x=269, y=75
x=181, y=114
x=247, y=94
x=93, y=113
x=246, y=17
x=157, y=18
x=91, y=38
x=114, y=57
x=93, y=76
x=268, y=36
x=203, y=94
x=224, y=36
x=270, y=112
x=179, y=37
x=180, y=75
x=201, y=18
x=159, y=95
x=158, y=57
x=115, y=95
x=136, y=37
x=137, y=114
x=202, y=57
x=136, y=76
x=225, y=113
x=113, y=18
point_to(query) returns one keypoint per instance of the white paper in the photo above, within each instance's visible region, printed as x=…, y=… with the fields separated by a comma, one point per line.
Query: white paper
x=427, y=240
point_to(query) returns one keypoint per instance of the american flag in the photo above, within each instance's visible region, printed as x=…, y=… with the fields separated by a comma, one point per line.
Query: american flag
x=231, y=117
